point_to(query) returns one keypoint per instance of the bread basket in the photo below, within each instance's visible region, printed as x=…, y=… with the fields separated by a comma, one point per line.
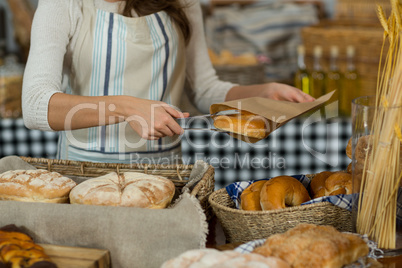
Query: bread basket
x=178, y=174
x=244, y=226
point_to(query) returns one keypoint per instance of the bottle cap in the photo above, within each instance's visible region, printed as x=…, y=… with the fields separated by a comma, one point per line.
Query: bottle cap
x=318, y=51
x=301, y=50
x=350, y=51
x=334, y=51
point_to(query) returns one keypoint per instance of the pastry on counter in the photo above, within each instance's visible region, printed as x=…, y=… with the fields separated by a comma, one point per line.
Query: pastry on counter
x=224, y=259
x=18, y=250
x=35, y=186
x=129, y=189
x=313, y=246
x=244, y=123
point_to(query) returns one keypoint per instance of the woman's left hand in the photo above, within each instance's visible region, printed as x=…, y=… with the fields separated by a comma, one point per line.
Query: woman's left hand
x=274, y=91
x=283, y=92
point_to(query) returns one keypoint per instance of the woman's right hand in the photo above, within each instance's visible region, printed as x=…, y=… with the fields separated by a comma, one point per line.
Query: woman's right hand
x=152, y=119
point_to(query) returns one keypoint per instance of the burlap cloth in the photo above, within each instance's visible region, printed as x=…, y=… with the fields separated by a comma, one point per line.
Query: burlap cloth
x=135, y=237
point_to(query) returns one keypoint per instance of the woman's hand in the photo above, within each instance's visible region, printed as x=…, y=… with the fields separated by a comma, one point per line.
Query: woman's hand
x=153, y=119
x=150, y=119
x=283, y=92
x=275, y=91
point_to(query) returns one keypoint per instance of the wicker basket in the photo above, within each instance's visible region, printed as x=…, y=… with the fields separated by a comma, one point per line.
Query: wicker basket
x=176, y=173
x=244, y=226
x=243, y=75
x=360, y=10
x=366, y=38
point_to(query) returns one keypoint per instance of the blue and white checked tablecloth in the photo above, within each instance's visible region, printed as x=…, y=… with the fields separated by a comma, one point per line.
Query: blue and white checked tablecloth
x=295, y=148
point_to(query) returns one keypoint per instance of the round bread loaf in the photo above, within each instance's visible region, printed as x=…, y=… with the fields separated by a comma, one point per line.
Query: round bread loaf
x=224, y=259
x=35, y=186
x=250, y=197
x=245, y=123
x=281, y=192
x=130, y=189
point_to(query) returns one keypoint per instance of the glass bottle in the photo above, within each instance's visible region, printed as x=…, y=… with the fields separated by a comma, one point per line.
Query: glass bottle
x=302, y=77
x=351, y=83
x=11, y=74
x=318, y=76
x=3, y=42
x=334, y=76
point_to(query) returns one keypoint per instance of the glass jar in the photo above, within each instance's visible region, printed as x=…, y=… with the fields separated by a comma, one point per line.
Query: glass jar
x=11, y=74
x=376, y=154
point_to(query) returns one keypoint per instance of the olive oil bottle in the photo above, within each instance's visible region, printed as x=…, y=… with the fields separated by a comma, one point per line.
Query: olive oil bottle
x=350, y=84
x=318, y=75
x=2, y=35
x=302, y=76
x=334, y=76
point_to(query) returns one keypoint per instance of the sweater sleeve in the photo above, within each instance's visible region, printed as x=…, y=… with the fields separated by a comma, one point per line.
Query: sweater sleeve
x=205, y=86
x=43, y=73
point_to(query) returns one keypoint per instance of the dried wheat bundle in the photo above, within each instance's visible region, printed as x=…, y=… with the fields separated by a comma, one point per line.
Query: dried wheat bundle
x=381, y=176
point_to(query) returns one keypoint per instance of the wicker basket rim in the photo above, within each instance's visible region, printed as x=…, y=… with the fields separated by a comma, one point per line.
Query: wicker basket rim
x=245, y=212
x=63, y=162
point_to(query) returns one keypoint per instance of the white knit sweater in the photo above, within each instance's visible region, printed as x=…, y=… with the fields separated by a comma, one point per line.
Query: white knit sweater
x=54, y=34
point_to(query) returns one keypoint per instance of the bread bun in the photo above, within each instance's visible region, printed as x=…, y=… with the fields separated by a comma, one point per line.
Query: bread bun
x=130, y=189
x=208, y=258
x=317, y=185
x=314, y=246
x=338, y=183
x=35, y=186
x=245, y=123
x=281, y=192
x=250, y=197
x=349, y=168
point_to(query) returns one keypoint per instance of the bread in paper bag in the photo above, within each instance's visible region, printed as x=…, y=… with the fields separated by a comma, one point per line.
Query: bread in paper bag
x=276, y=113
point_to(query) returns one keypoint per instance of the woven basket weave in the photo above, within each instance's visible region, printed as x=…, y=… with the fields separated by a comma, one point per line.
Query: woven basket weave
x=176, y=173
x=360, y=10
x=244, y=226
x=367, y=38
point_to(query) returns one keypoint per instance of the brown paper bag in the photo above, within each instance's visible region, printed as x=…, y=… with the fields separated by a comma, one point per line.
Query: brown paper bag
x=277, y=113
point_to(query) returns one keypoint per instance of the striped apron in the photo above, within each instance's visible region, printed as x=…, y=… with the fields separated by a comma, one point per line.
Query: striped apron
x=117, y=55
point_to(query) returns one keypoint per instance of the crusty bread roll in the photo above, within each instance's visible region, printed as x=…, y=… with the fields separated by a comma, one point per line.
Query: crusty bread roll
x=208, y=258
x=313, y=246
x=317, y=185
x=35, y=186
x=245, y=123
x=250, y=197
x=281, y=192
x=130, y=189
x=338, y=183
